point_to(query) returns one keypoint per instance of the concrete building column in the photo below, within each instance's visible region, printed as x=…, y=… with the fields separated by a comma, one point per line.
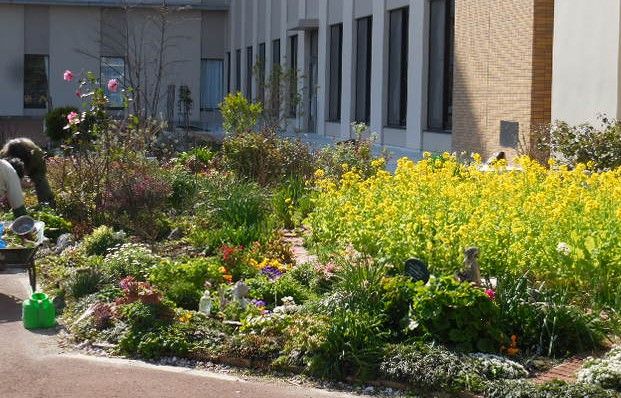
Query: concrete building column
x=284, y=48
x=245, y=19
x=347, y=68
x=12, y=60
x=378, y=68
x=322, y=77
x=302, y=72
x=416, y=76
x=255, y=47
x=233, y=32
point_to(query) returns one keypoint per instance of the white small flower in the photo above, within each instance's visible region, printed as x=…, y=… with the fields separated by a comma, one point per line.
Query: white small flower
x=563, y=248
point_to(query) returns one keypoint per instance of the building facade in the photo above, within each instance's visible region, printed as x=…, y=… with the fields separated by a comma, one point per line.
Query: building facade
x=424, y=75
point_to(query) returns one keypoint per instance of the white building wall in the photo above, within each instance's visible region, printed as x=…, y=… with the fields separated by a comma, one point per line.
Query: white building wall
x=586, y=70
x=11, y=60
x=68, y=50
x=280, y=19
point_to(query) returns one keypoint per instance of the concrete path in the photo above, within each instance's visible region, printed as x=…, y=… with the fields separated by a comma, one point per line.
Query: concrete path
x=32, y=365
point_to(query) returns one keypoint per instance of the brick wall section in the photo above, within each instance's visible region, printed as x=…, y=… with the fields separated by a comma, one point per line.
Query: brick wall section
x=503, y=66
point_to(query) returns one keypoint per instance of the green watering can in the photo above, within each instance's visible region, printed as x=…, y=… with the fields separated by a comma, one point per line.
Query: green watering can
x=38, y=312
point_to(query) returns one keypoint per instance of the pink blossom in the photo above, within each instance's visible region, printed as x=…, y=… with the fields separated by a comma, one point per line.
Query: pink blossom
x=73, y=118
x=68, y=75
x=113, y=85
x=490, y=293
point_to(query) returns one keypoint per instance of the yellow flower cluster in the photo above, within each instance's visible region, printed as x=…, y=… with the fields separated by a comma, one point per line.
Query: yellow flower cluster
x=435, y=208
x=267, y=262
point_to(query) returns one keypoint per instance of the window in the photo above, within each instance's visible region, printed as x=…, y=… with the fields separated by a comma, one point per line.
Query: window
x=336, y=55
x=398, y=68
x=238, y=71
x=441, y=39
x=364, y=28
x=113, y=68
x=36, y=68
x=293, y=63
x=249, y=67
x=211, y=83
x=228, y=72
x=276, y=52
x=274, y=106
x=261, y=73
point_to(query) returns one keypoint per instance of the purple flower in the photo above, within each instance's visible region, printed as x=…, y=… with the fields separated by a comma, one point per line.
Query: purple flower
x=258, y=303
x=271, y=272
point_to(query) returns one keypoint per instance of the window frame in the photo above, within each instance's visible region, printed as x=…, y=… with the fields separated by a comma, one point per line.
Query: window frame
x=46, y=64
x=249, y=68
x=447, y=77
x=206, y=108
x=104, y=81
x=293, y=82
x=363, y=83
x=402, y=76
x=335, y=73
x=238, y=87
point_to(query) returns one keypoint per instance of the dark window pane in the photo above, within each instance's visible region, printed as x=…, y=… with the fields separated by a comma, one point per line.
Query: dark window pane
x=440, y=84
x=249, y=64
x=363, y=69
x=293, y=63
x=35, y=81
x=398, y=67
x=238, y=70
x=228, y=72
x=276, y=52
x=113, y=68
x=336, y=62
x=261, y=73
x=275, y=80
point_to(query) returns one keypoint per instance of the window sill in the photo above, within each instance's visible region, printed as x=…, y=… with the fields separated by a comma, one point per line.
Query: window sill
x=395, y=127
x=437, y=131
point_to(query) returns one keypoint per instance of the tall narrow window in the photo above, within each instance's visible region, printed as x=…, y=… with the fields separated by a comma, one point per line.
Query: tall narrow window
x=364, y=28
x=336, y=62
x=260, y=67
x=249, y=70
x=211, y=83
x=238, y=70
x=113, y=68
x=398, y=68
x=228, y=71
x=293, y=79
x=274, y=103
x=35, y=81
x=441, y=39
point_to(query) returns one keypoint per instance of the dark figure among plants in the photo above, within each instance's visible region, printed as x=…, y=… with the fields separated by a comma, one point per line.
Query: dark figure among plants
x=33, y=158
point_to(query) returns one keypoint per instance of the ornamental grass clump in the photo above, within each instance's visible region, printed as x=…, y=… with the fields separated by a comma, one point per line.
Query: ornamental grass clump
x=562, y=225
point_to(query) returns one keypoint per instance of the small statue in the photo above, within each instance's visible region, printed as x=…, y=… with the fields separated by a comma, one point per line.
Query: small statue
x=471, y=271
x=240, y=291
x=205, y=303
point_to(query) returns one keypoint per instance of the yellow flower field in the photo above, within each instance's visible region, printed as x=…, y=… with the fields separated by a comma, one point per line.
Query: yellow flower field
x=561, y=225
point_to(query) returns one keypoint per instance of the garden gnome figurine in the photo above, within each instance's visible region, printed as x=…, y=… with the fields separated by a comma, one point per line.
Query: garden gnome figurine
x=205, y=303
x=240, y=291
x=471, y=272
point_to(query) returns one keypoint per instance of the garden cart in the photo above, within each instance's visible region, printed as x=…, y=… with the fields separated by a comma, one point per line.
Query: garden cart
x=23, y=258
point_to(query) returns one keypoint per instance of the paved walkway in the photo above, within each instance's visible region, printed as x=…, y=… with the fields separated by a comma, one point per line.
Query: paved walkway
x=32, y=365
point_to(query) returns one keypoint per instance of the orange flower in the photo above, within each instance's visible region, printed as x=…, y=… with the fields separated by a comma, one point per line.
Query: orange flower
x=222, y=270
x=228, y=278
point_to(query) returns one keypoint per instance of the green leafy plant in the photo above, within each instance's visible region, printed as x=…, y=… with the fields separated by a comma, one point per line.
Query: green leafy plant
x=238, y=115
x=130, y=259
x=83, y=281
x=55, y=122
x=101, y=240
x=455, y=313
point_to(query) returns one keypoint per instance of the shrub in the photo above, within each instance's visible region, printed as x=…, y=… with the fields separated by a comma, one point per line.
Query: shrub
x=292, y=202
x=101, y=240
x=598, y=146
x=83, y=281
x=55, y=122
x=272, y=291
x=604, y=372
x=266, y=158
x=553, y=389
x=429, y=368
x=433, y=210
x=130, y=259
x=455, y=313
x=350, y=345
x=546, y=322
x=238, y=115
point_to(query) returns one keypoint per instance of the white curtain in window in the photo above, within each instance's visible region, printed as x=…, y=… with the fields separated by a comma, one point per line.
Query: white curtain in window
x=211, y=83
x=113, y=68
